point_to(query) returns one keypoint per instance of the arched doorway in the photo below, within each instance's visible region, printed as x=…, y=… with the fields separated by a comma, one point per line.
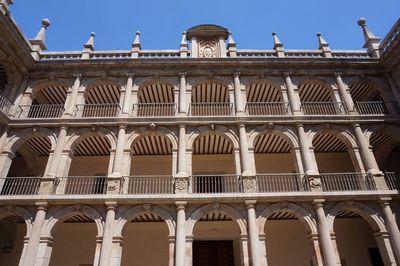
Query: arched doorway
x=12, y=237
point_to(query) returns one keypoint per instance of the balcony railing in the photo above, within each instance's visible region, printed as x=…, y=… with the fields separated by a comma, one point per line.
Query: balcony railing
x=98, y=110
x=154, y=109
x=211, y=109
x=19, y=185
x=82, y=185
x=267, y=108
x=41, y=111
x=370, y=108
x=323, y=108
x=281, y=183
x=6, y=105
x=347, y=182
x=216, y=184
x=392, y=180
x=149, y=184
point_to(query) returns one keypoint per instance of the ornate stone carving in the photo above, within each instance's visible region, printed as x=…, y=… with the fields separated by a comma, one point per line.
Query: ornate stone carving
x=113, y=185
x=181, y=185
x=208, y=48
x=249, y=184
x=315, y=182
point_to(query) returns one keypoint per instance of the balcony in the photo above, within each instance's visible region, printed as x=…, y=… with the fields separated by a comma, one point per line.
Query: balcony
x=323, y=108
x=41, y=111
x=81, y=185
x=20, y=185
x=392, y=180
x=347, y=182
x=154, y=109
x=216, y=184
x=98, y=110
x=267, y=108
x=211, y=109
x=370, y=108
x=149, y=184
x=281, y=183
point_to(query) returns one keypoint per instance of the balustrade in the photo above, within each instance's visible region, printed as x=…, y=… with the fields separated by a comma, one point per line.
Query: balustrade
x=150, y=184
x=267, y=108
x=98, y=110
x=347, y=182
x=216, y=184
x=41, y=111
x=19, y=185
x=154, y=109
x=323, y=108
x=370, y=108
x=211, y=109
x=392, y=180
x=82, y=185
x=281, y=183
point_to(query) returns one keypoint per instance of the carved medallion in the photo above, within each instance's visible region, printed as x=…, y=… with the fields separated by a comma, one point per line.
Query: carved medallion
x=208, y=48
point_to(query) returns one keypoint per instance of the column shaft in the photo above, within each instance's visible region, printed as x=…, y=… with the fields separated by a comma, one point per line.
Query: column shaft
x=180, y=243
x=34, y=239
x=367, y=156
x=393, y=229
x=182, y=93
x=107, y=242
x=74, y=95
x=304, y=149
x=128, y=94
x=325, y=237
x=182, y=150
x=55, y=162
x=238, y=93
x=294, y=100
x=119, y=151
x=253, y=235
x=344, y=95
x=244, y=150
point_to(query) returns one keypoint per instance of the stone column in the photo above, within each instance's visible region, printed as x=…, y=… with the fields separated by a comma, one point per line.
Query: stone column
x=263, y=249
x=74, y=95
x=238, y=93
x=248, y=176
x=107, y=243
x=344, y=92
x=181, y=178
x=314, y=243
x=180, y=242
x=55, y=162
x=294, y=99
x=5, y=162
x=34, y=239
x=305, y=151
x=114, y=179
x=182, y=94
x=171, y=250
x=325, y=237
x=392, y=228
x=126, y=107
x=245, y=250
x=253, y=233
x=385, y=248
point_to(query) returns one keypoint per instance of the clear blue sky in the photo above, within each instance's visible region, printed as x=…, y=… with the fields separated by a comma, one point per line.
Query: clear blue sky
x=161, y=22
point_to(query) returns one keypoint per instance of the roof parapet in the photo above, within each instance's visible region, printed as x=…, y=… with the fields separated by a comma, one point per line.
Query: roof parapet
x=324, y=45
x=278, y=45
x=136, y=46
x=371, y=41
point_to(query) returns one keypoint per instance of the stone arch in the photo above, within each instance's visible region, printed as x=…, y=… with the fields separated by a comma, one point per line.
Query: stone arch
x=215, y=84
x=21, y=136
x=286, y=133
x=160, y=131
x=133, y=212
x=265, y=84
x=304, y=215
x=343, y=133
x=59, y=215
x=230, y=135
x=231, y=212
x=156, y=91
x=372, y=215
x=82, y=134
x=25, y=214
x=108, y=91
x=39, y=85
x=325, y=93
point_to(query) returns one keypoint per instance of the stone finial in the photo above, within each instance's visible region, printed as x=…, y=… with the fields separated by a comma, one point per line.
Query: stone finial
x=324, y=45
x=5, y=4
x=89, y=45
x=183, y=46
x=136, y=46
x=278, y=45
x=371, y=41
x=231, y=45
x=39, y=40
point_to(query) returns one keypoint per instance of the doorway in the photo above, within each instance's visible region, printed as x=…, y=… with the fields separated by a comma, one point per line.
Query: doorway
x=213, y=253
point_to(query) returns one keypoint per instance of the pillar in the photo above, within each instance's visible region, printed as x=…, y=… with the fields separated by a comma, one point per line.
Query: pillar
x=294, y=99
x=385, y=248
x=107, y=243
x=253, y=233
x=119, y=151
x=392, y=228
x=238, y=93
x=74, y=95
x=363, y=144
x=182, y=94
x=325, y=237
x=180, y=242
x=5, y=163
x=171, y=250
x=244, y=150
x=34, y=239
x=314, y=243
x=344, y=92
x=128, y=95
x=55, y=161
x=181, y=178
x=304, y=150
x=263, y=249
x=244, y=250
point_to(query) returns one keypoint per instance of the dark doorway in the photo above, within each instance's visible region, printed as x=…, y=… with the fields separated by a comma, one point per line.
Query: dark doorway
x=375, y=256
x=213, y=253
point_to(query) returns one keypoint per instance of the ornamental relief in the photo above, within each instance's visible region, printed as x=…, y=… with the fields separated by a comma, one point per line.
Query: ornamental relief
x=208, y=48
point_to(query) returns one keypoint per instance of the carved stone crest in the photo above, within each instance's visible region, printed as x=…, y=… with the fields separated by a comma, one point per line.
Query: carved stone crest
x=181, y=185
x=208, y=48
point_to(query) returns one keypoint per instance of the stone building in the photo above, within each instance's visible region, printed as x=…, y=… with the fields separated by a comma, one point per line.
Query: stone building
x=204, y=155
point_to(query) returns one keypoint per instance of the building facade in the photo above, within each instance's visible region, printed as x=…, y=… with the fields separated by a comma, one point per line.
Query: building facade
x=204, y=155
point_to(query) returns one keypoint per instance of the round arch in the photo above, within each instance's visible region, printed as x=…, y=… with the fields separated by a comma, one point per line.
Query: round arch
x=25, y=214
x=343, y=133
x=215, y=91
x=103, y=91
x=304, y=215
x=159, y=131
x=226, y=209
x=133, y=212
x=323, y=87
x=82, y=134
x=21, y=137
x=156, y=91
x=265, y=85
x=219, y=130
x=286, y=133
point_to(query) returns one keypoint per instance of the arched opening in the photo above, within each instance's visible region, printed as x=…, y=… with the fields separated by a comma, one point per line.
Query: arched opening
x=216, y=239
x=339, y=167
x=101, y=100
x=355, y=240
x=27, y=167
x=146, y=152
x=265, y=98
x=3, y=80
x=367, y=98
x=47, y=102
x=285, y=233
x=210, y=98
x=213, y=165
x=156, y=99
x=318, y=99
x=275, y=164
x=146, y=233
x=12, y=235
x=71, y=230
x=89, y=166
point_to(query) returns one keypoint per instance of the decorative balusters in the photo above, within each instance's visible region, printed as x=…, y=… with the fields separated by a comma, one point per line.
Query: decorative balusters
x=154, y=109
x=267, y=108
x=98, y=110
x=211, y=109
x=216, y=184
x=150, y=184
x=323, y=108
x=41, y=111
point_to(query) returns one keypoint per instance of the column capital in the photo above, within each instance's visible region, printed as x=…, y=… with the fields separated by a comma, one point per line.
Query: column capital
x=241, y=125
x=384, y=200
x=182, y=126
x=77, y=75
x=122, y=126
x=236, y=74
x=63, y=127
x=180, y=205
x=130, y=75
x=287, y=74
x=111, y=205
x=182, y=74
x=42, y=206
x=356, y=125
x=299, y=125
x=338, y=74
x=250, y=204
x=318, y=202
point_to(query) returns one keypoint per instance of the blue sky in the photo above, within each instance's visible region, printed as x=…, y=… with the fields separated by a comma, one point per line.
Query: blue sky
x=161, y=22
